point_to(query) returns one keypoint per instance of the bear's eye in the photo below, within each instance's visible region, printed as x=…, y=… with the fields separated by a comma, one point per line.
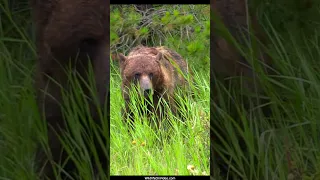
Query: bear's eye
x=150, y=75
x=137, y=75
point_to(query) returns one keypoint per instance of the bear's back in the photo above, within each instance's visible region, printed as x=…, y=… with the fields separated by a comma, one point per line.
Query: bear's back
x=153, y=51
x=180, y=79
x=65, y=23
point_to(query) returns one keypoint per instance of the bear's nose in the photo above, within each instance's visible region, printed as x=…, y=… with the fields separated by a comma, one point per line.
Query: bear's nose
x=145, y=85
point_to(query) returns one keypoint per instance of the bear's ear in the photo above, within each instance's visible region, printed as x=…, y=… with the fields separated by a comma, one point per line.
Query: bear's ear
x=159, y=57
x=122, y=58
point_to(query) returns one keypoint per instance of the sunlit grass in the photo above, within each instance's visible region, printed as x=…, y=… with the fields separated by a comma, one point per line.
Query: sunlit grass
x=166, y=149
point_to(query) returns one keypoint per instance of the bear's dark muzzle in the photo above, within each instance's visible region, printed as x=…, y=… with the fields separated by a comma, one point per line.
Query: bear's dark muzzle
x=147, y=92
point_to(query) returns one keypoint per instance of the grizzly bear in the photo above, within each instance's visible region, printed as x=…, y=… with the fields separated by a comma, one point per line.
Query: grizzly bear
x=227, y=61
x=157, y=71
x=69, y=33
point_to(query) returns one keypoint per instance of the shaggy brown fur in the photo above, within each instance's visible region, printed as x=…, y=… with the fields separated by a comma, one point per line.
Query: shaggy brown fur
x=69, y=32
x=227, y=60
x=150, y=67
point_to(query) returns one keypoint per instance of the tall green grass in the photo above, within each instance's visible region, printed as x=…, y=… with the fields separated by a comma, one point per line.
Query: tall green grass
x=18, y=110
x=168, y=149
x=292, y=130
x=22, y=131
x=284, y=144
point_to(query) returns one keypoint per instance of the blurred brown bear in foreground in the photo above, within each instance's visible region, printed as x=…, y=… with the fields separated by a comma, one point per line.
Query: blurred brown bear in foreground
x=76, y=33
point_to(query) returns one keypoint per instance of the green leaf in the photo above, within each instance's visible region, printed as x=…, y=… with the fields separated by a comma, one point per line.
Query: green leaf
x=144, y=31
x=197, y=29
x=176, y=13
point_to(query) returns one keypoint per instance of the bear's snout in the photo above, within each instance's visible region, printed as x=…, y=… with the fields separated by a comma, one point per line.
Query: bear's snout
x=146, y=85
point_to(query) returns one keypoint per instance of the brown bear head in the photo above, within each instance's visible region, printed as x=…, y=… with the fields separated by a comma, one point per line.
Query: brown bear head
x=143, y=70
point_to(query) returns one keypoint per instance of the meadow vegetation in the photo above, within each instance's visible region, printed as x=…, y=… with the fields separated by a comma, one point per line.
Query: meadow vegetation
x=284, y=145
x=22, y=130
x=167, y=148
